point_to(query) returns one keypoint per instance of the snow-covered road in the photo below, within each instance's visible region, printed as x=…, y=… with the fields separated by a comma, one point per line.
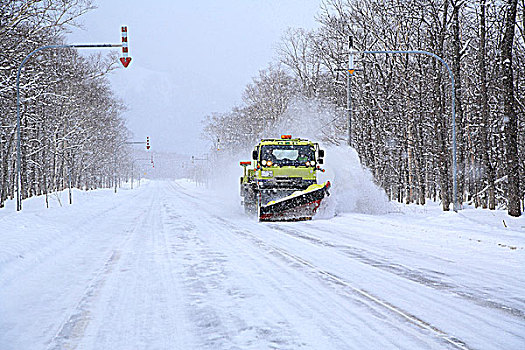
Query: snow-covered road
x=169, y=266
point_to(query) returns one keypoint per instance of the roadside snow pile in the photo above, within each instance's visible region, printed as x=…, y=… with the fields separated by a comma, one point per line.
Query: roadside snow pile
x=38, y=231
x=474, y=224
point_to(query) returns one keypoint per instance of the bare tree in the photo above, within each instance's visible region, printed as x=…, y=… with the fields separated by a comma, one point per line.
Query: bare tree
x=510, y=117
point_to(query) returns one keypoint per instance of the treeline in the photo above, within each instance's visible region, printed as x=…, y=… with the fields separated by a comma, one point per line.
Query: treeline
x=401, y=115
x=70, y=120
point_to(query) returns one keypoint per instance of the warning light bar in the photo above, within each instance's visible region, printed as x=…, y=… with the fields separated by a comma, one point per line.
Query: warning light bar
x=285, y=137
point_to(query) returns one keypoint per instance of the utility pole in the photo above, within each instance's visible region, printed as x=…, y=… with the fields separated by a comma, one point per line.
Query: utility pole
x=350, y=70
x=349, y=87
x=125, y=62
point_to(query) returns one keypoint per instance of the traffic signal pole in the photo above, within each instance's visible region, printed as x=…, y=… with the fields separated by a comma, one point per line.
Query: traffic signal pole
x=125, y=61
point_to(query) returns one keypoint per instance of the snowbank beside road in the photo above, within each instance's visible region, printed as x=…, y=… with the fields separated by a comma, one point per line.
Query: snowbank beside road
x=36, y=231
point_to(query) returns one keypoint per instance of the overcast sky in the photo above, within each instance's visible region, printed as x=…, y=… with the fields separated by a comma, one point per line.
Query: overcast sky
x=189, y=58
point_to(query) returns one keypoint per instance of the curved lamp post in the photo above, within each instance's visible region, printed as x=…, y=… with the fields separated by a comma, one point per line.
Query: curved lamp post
x=451, y=75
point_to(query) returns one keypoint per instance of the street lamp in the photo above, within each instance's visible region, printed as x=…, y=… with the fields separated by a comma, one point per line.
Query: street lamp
x=451, y=75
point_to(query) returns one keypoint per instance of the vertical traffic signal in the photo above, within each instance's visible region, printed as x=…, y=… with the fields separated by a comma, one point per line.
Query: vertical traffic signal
x=147, y=143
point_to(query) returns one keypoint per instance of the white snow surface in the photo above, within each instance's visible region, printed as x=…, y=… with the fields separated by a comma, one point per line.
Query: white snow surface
x=170, y=265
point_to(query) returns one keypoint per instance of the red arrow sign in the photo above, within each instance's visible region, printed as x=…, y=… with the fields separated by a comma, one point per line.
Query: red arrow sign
x=125, y=61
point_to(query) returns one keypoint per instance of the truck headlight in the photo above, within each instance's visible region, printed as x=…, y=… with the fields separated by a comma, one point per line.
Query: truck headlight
x=267, y=173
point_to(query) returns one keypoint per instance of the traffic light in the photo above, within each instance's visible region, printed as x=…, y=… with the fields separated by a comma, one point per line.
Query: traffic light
x=147, y=143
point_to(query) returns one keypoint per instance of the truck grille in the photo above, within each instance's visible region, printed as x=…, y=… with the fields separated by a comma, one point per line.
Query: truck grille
x=285, y=182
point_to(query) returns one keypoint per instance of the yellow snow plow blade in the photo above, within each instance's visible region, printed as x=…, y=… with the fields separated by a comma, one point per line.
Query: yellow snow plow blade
x=300, y=205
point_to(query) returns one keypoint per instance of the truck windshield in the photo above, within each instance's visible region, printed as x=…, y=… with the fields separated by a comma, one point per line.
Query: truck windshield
x=288, y=155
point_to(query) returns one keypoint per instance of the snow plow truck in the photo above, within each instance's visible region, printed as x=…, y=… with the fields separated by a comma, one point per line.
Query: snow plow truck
x=280, y=183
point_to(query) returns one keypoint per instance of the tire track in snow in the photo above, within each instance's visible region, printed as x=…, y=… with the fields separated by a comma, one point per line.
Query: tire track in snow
x=453, y=341
x=402, y=271
x=211, y=278
x=141, y=305
x=469, y=332
x=72, y=330
x=409, y=317
x=325, y=317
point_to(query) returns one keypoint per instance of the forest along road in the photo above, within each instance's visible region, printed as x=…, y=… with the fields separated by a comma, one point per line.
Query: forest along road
x=169, y=266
